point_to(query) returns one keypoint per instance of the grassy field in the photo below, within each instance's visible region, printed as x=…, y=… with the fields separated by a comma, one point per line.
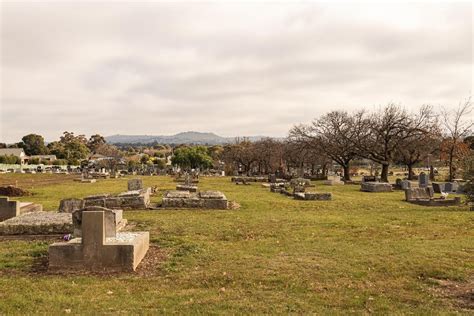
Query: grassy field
x=360, y=253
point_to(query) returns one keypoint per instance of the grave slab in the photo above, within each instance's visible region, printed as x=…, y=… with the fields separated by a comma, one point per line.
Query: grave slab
x=375, y=187
x=38, y=223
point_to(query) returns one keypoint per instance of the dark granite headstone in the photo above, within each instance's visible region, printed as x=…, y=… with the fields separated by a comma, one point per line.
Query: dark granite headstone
x=423, y=180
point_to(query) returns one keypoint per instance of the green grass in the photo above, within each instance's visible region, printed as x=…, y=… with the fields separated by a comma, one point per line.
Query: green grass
x=360, y=253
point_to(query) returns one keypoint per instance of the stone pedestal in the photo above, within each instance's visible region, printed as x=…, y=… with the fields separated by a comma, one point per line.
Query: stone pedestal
x=97, y=252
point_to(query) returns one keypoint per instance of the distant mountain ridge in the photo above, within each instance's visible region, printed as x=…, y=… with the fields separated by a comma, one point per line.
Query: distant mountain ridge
x=197, y=138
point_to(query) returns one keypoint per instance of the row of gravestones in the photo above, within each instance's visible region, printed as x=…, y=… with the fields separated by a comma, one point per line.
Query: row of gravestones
x=423, y=182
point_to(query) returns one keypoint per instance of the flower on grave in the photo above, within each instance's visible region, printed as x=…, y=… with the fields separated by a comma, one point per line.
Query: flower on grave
x=67, y=237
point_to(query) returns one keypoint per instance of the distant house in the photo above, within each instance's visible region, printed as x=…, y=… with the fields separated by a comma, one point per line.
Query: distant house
x=17, y=152
x=97, y=157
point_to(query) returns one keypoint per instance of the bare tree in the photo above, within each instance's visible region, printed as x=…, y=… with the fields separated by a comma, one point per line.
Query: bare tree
x=456, y=127
x=331, y=134
x=268, y=153
x=379, y=135
x=241, y=154
x=420, y=146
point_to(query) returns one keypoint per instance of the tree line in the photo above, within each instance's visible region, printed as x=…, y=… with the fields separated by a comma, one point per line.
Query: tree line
x=387, y=136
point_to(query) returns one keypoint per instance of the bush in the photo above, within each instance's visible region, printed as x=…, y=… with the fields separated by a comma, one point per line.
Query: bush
x=34, y=161
x=192, y=157
x=60, y=162
x=45, y=162
x=10, y=160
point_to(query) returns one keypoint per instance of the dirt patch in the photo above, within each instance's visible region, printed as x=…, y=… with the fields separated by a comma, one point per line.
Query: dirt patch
x=459, y=294
x=154, y=258
x=35, y=180
x=13, y=191
x=233, y=205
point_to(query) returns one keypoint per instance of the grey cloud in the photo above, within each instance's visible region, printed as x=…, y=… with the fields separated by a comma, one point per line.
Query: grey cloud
x=234, y=69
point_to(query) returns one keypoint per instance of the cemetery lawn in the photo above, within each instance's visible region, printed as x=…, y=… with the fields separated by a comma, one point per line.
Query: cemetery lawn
x=360, y=253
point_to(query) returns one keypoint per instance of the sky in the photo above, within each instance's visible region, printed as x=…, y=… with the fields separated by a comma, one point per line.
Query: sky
x=232, y=68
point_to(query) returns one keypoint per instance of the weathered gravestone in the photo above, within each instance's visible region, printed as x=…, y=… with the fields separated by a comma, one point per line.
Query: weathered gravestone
x=402, y=184
x=451, y=187
x=375, y=187
x=313, y=196
x=300, y=181
x=445, y=187
x=424, y=196
x=423, y=180
x=299, y=185
x=38, y=223
x=370, y=179
x=418, y=194
x=187, y=185
x=203, y=199
x=70, y=205
x=333, y=180
x=95, y=251
x=272, y=178
x=138, y=199
x=135, y=184
x=10, y=209
x=114, y=220
x=405, y=184
x=438, y=187
x=398, y=183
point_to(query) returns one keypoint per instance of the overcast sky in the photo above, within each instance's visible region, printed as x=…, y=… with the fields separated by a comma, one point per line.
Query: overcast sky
x=234, y=69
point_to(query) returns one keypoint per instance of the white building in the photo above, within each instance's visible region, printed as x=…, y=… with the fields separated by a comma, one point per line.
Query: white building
x=17, y=152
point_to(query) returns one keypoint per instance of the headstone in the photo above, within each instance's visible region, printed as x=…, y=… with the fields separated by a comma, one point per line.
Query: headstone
x=8, y=209
x=438, y=187
x=135, y=184
x=113, y=220
x=375, y=187
x=398, y=183
x=70, y=205
x=298, y=188
x=405, y=184
x=272, y=178
x=300, y=172
x=369, y=179
x=97, y=252
x=419, y=194
x=333, y=180
x=423, y=180
x=451, y=187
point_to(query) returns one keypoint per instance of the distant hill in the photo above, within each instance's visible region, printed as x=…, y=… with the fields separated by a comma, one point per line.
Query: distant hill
x=197, y=138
